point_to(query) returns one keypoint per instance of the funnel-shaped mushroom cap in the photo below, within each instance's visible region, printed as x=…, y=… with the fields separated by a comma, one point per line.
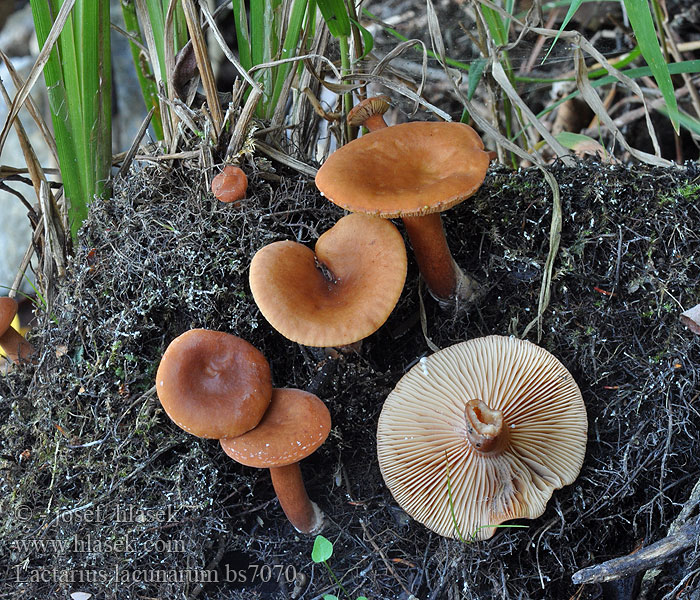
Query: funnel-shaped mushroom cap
x=410, y=169
x=8, y=310
x=505, y=415
x=294, y=426
x=338, y=295
x=213, y=384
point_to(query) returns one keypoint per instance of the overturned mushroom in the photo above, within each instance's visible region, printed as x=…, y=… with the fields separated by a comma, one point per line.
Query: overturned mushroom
x=294, y=426
x=691, y=318
x=413, y=171
x=480, y=433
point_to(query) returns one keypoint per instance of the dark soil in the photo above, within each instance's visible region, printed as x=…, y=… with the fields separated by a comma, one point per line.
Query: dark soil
x=90, y=460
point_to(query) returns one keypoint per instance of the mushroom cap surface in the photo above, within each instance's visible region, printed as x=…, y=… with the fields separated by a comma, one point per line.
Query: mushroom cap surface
x=213, y=384
x=411, y=169
x=294, y=426
x=337, y=295
x=8, y=310
x=422, y=429
x=230, y=185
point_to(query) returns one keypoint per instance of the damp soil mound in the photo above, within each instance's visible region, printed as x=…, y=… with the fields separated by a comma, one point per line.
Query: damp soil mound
x=100, y=493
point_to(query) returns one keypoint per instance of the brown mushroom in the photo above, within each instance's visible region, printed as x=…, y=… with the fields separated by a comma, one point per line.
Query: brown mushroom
x=12, y=342
x=413, y=171
x=213, y=384
x=499, y=417
x=337, y=295
x=230, y=185
x=294, y=426
x=370, y=113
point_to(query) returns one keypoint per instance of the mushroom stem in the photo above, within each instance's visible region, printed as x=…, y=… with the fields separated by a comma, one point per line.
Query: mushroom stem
x=445, y=280
x=485, y=431
x=375, y=122
x=304, y=514
x=15, y=346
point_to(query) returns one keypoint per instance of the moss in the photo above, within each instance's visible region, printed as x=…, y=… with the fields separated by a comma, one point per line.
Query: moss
x=165, y=257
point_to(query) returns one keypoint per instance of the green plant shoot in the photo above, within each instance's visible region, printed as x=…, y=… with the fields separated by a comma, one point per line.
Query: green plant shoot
x=79, y=82
x=321, y=552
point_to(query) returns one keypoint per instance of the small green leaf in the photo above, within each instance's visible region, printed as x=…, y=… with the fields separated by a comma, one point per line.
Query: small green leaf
x=329, y=597
x=322, y=550
x=476, y=68
x=367, y=39
x=573, y=7
x=362, y=598
x=643, y=25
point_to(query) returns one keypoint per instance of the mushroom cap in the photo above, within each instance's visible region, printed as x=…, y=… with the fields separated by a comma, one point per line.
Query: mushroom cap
x=422, y=428
x=8, y=310
x=338, y=295
x=230, y=185
x=411, y=169
x=376, y=105
x=294, y=426
x=213, y=384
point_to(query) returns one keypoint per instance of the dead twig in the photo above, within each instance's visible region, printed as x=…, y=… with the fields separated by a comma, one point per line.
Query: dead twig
x=651, y=556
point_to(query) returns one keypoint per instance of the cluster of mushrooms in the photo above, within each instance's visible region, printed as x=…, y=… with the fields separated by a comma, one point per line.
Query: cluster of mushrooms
x=478, y=433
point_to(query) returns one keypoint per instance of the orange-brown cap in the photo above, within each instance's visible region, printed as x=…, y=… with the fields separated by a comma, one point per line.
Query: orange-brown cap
x=8, y=310
x=294, y=426
x=410, y=169
x=370, y=109
x=213, y=384
x=507, y=418
x=230, y=185
x=338, y=295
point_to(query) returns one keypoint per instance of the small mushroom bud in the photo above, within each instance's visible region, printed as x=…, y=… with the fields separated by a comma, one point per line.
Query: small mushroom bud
x=230, y=185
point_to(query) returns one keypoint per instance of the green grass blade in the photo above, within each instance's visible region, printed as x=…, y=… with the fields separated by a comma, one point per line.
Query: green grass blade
x=58, y=105
x=643, y=25
x=289, y=48
x=573, y=7
x=496, y=25
x=78, y=77
x=240, y=17
x=181, y=35
x=367, y=39
x=143, y=70
x=451, y=501
x=336, y=16
x=156, y=18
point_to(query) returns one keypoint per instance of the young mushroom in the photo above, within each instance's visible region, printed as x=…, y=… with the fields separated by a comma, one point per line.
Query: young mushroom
x=480, y=433
x=294, y=426
x=370, y=113
x=12, y=342
x=213, y=384
x=338, y=294
x=413, y=171
x=230, y=185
